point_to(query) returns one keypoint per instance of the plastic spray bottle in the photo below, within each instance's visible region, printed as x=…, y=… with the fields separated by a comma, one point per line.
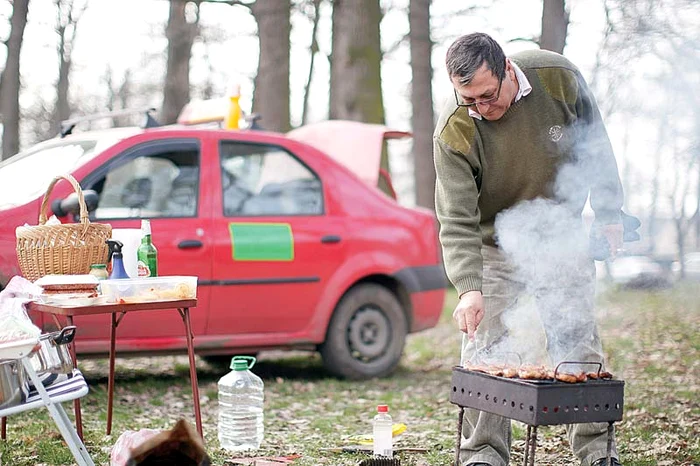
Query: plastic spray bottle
x=115, y=250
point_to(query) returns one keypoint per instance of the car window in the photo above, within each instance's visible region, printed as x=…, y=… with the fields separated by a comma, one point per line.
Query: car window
x=260, y=179
x=160, y=184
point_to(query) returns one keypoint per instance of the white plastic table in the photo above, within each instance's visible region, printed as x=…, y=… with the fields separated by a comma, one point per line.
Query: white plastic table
x=51, y=397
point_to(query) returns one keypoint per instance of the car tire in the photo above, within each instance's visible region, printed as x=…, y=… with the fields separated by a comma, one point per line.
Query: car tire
x=366, y=335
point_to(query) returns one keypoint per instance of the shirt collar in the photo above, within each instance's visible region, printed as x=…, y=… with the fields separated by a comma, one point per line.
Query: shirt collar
x=524, y=88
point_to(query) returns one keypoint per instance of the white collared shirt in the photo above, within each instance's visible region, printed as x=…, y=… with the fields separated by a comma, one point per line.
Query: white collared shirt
x=524, y=88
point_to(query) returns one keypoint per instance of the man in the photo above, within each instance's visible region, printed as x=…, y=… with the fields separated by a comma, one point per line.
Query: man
x=520, y=130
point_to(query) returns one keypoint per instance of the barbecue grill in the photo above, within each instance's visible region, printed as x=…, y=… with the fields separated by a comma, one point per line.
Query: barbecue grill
x=538, y=402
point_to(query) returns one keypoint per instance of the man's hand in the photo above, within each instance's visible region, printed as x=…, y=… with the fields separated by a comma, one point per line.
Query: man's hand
x=613, y=233
x=469, y=312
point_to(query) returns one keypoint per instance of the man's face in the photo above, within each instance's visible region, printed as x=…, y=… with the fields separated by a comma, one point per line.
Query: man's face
x=491, y=96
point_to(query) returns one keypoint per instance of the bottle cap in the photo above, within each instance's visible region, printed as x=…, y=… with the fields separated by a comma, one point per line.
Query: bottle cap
x=382, y=409
x=145, y=227
x=242, y=363
x=234, y=89
x=98, y=266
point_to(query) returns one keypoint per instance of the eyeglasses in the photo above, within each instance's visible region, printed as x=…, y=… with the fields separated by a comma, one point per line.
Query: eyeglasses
x=490, y=100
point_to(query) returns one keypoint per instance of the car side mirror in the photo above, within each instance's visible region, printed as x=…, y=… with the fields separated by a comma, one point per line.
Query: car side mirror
x=70, y=205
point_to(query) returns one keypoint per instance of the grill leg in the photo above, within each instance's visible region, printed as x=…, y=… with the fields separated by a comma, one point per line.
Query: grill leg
x=459, y=434
x=608, y=456
x=527, y=445
x=533, y=445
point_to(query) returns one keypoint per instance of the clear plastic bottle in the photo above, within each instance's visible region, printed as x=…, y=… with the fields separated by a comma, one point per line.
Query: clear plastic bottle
x=241, y=395
x=381, y=432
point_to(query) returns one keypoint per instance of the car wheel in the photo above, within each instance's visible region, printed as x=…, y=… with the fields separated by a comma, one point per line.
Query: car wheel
x=366, y=334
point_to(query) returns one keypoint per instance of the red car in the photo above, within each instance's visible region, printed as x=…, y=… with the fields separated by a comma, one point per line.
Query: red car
x=294, y=246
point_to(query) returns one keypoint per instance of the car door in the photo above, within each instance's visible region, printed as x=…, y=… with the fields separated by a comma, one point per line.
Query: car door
x=275, y=244
x=162, y=181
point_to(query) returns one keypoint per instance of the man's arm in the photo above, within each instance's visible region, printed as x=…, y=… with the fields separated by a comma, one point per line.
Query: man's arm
x=456, y=205
x=606, y=189
x=456, y=197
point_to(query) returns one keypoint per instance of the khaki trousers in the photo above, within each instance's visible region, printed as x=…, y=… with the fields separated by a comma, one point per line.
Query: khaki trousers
x=541, y=324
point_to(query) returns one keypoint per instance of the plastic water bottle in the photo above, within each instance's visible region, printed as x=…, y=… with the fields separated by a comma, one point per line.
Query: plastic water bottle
x=381, y=432
x=241, y=395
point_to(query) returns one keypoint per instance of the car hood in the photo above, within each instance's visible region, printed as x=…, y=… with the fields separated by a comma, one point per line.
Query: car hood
x=357, y=146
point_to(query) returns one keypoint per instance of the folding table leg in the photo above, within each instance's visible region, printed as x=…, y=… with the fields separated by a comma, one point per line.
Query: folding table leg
x=110, y=380
x=75, y=444
x=76, y=403
x=185, y=314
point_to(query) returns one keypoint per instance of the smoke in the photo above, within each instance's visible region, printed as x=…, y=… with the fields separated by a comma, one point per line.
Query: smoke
x=547, y=243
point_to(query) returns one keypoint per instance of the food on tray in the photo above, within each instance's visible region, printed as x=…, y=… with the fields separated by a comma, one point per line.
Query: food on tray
x=148, y=289
x=533, y=372
x=69, y=286
x=180, y=291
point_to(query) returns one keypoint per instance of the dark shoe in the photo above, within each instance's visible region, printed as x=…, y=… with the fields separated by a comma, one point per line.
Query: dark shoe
x=601, y=462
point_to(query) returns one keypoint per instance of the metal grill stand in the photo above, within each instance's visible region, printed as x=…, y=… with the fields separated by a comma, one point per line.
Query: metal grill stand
x=537, y=403
x=530, y=442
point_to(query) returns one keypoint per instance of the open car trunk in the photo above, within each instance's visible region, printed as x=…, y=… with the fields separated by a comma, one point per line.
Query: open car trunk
x=357, y=146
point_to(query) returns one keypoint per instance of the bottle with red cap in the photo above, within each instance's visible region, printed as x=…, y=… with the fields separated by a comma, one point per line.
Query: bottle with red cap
x=381, y=432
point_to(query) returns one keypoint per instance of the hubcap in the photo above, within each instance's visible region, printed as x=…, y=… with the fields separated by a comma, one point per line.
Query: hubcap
x=368, y=333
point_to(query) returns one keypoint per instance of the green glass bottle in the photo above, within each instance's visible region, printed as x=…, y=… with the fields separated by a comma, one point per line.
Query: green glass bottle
x=147, y=253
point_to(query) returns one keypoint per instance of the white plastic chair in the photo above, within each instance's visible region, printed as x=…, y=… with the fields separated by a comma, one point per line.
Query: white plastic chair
x=52, y=397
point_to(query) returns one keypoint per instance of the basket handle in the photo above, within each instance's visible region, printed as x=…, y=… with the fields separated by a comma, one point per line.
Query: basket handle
x=84, y=220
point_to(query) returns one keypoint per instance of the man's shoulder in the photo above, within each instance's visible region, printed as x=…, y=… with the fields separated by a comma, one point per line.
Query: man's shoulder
x=559, y=77
x=455, y=128
x=536, y=59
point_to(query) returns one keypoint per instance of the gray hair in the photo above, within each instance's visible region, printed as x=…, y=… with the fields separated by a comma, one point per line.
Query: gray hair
x=468, y=53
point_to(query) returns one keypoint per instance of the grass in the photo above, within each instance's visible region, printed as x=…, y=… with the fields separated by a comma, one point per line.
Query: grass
x=652, y=341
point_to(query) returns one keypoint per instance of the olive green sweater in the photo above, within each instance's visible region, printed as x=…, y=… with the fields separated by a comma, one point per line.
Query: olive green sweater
x=484, y=167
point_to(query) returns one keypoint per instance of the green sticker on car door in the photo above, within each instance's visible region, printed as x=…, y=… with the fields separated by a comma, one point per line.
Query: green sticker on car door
x=262, y=241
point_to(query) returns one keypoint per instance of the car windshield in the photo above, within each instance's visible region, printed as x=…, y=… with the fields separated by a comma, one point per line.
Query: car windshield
x=26, y=176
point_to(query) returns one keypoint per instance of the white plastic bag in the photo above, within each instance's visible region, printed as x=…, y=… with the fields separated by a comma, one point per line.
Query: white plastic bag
x=130, y=439
x=15, y=324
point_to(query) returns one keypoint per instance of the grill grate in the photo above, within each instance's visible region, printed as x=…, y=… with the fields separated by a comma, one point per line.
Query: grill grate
x=539, y=402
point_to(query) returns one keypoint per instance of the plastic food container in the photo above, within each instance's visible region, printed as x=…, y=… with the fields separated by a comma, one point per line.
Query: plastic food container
x=148, y=289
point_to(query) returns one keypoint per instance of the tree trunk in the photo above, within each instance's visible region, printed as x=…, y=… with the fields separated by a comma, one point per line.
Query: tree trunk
x=356, y=56
x=555, y=22
x=313, y=51
x=10, y=83
x=356, y=87
x=180, y=34
x=271, y=94
x=422, y=102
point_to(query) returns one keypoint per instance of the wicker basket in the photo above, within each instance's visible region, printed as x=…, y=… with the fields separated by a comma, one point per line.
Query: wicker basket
x=65, y=248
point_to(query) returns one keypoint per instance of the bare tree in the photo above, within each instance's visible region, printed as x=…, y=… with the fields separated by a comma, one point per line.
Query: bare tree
x=555, y=22
x=661, y=38
x=10, y=80
x=68, y=13
x=181, y=31
x=422, y=119
x=314, y=49
x=271, y=95
x=118, y=95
